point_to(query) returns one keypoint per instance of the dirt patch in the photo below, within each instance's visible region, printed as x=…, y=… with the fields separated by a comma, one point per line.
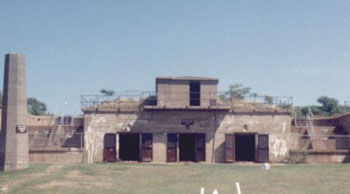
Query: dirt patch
x=4, y=188
x=58, y=184
x=75, y=174
x=77, y=180
x=53, y=169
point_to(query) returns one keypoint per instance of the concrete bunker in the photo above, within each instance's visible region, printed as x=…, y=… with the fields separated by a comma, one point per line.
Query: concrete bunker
x=188, y=123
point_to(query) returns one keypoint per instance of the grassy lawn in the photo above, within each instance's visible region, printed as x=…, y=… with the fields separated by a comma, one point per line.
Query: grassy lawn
x=178, y=178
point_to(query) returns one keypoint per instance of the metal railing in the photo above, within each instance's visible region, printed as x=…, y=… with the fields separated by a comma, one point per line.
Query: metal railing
x=135, y=100
x=56, y=140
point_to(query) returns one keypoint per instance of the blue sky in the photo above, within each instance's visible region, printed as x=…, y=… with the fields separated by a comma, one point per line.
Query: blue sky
x=280, y=48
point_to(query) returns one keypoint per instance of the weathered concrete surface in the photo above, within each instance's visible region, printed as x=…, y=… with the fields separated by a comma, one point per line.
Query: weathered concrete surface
x=321, y=156
x=14, y=136
x=214, y=124
x=56, y=157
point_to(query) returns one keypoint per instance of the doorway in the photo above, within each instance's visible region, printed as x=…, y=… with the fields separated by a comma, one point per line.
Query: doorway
x=192, y=147
x=245, y=147
x=129, y=147
x=187, y=147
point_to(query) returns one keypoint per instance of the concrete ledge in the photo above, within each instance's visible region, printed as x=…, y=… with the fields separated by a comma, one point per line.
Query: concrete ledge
x=54, y=150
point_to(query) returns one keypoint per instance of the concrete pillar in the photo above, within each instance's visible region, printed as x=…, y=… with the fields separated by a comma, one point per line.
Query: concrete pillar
x=13, y=134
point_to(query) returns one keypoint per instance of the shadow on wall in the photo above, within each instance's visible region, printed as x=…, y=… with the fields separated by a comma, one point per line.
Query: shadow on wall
x=76, y=140
x=347, y=158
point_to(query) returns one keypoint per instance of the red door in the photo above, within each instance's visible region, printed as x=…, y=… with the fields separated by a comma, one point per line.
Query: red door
x=200, y=147
x=229, y=148
x=172, y=148
x=146, y=147
x=109, y=152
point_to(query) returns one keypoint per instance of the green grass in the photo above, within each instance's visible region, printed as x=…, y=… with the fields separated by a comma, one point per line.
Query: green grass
x=175, y=178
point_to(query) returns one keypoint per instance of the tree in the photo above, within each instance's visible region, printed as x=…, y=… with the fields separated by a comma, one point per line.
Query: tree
x=254, y=95
x=107, y=92
x=36, y=107
x=304, y=110
x=237, y=91
x=329, y=106
x=268, y=100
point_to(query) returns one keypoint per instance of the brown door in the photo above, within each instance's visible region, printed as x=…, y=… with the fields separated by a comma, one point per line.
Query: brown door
x=230, y=148
x=146, y=147
x=172, y=148
x=263, y=148
x=200, y=147
x=109, y=152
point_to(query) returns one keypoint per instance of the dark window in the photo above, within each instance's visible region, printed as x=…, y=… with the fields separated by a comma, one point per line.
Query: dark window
x=195, y=95
x=66, y=120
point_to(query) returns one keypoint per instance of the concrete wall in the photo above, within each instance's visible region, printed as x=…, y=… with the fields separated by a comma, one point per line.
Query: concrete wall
x=344, y=122
x=214, y=124
x=55, y=157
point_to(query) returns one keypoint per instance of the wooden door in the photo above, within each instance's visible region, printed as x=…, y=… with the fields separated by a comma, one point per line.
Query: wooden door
x=263, y=148
x=199, y=147
x=172, y=147
x=109, y=151
x=230, y=148
x=109, y=154
x=146, y=147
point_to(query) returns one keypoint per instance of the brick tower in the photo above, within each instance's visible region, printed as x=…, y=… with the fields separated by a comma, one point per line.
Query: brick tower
x=13, y=134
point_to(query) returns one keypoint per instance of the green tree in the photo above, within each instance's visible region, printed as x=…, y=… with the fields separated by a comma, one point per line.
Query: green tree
x=268, y=99
x=316, y=110
x=36, y=107
x=254, y=95
x=237, y=91
x=329, y=106
x=107, y=92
